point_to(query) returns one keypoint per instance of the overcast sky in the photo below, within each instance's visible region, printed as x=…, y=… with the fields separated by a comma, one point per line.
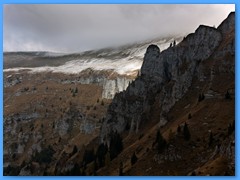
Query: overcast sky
x=75, y=28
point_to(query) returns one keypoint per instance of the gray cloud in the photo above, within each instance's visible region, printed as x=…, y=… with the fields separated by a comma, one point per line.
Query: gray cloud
x=74, y=28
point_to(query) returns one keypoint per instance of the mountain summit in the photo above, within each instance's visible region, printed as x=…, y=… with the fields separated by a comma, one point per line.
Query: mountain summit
x=171, y=85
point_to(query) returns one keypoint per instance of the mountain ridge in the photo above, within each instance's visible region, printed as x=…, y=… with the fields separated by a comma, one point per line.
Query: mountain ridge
x=159, y=67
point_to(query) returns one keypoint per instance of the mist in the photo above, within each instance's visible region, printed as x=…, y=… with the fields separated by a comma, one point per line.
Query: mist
x=80, y=27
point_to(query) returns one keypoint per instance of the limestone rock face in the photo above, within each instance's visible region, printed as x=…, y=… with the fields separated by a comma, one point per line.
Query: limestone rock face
x=165, y=77
x=110, y=85
x=151, y=61
x=113, y=86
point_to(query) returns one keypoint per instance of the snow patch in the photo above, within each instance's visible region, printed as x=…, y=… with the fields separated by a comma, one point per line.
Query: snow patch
x=126, y=65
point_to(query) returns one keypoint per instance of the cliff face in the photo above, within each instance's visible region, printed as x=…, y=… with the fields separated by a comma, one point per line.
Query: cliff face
x=166, y=76
x=110, y=86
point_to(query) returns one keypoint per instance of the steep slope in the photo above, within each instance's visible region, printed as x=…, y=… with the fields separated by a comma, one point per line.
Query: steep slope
x=184, y=93
x=191, y=83
x=41, y=112
x=169, y=73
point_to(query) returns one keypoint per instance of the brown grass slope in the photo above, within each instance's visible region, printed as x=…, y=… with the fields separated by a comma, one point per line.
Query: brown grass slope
x=196, y=156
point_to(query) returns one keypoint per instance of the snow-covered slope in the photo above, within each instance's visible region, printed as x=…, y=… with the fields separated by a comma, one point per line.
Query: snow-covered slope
x=111, y=68
x=123, y=60
x=121, y=66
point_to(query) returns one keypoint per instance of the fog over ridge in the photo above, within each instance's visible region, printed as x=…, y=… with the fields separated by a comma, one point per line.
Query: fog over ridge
x=75, y=28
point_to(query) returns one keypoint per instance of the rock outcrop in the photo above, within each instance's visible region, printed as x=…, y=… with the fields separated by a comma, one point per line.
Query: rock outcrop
x=110, y=86
x=165, y=77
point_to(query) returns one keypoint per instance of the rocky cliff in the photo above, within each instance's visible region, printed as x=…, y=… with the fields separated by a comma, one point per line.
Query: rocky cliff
x=166, y=76
x=110, y=82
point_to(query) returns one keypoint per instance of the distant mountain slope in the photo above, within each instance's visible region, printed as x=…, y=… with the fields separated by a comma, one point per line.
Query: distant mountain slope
x=124, y=59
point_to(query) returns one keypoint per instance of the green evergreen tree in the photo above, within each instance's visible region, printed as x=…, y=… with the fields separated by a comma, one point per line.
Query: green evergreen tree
x=227, y=95
x=161, y=142
x=179, y=129
x=75, y=150
x=102, y=103
x=76, y=90
x=100, y=154
x=134, y=159
x=116, y=144
x=210, y=141
x=88, y=156
x=189, y=116
x=107, y=159
x=233, y=125
x=75, y=171
x=73, y=94
x=186, y=132
x=121, y=169
x=230, y=129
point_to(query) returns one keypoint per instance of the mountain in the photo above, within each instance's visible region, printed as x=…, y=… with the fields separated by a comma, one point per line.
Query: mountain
x=168, y=75
x=163, y=107
x=171, y=87
x=111, y=68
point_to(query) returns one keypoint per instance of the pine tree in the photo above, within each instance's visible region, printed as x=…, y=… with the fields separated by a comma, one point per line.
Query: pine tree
x=186, y=132
x=73, y=94
x=174, y=43
x=75, y=150
x=76, y=90
x=107, y=159
x=75, y=171
x=116, y=145
x=83, y=172
x=227, y=95
x=201, y=97
x=88, y=156
x=179, y=129
x=95, y=168
x=193, y=173
x=230, y=129
x=189, y=116
x=121, y=169
x=170, y=135
x=210, y=141
x=102, y=103
x=161, y=142
x=100, y=154
x=233, y=125
x=134, y=159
